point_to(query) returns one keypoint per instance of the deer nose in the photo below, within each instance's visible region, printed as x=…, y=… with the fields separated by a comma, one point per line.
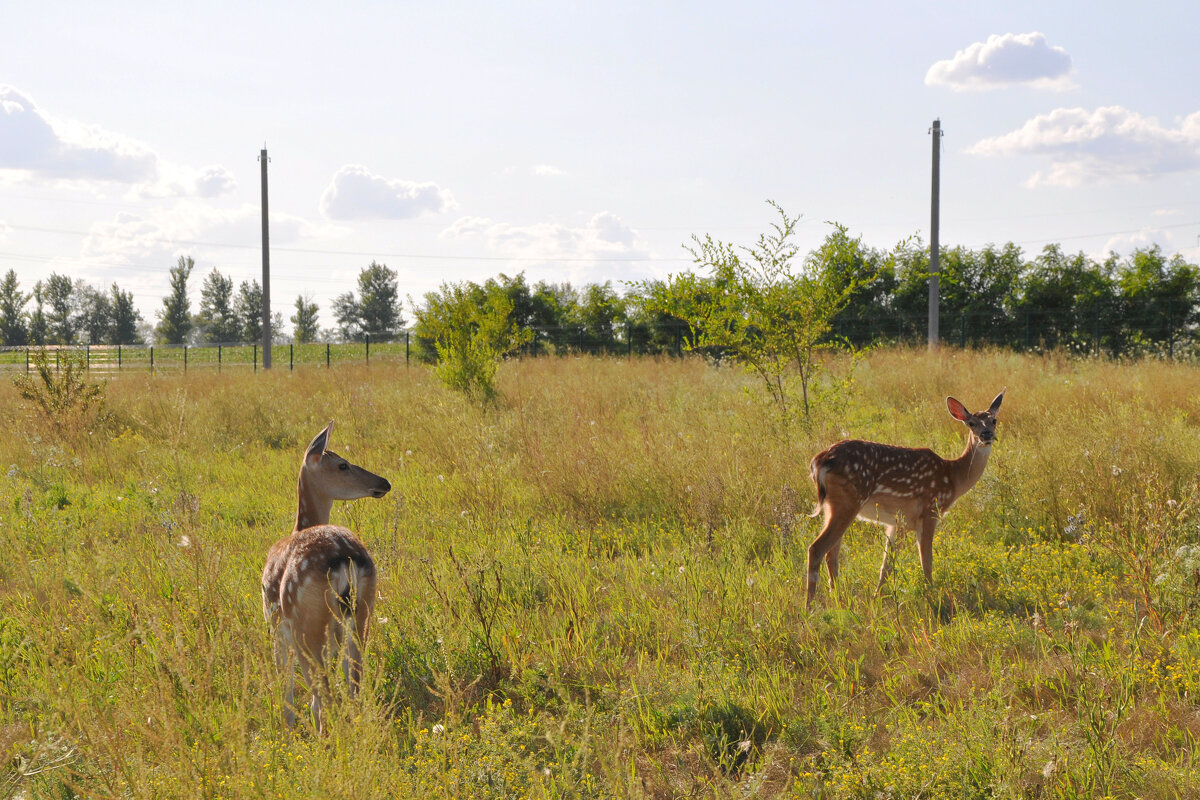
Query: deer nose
x=382, y=489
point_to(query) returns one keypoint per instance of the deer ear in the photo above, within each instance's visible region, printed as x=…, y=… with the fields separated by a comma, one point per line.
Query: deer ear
x=318, y=445
x=957, y=409
x=995, y=406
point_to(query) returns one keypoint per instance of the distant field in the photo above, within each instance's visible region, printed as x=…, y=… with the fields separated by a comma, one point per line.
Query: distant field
x=595, y=587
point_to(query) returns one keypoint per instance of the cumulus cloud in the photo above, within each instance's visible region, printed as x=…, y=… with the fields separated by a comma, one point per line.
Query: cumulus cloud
x=1108, y=143
x=1013, y=59
x=1125, y=243
x=37, y=146
x=591, y=249
x=547, y=171
x=187, y=228
x=356, y=193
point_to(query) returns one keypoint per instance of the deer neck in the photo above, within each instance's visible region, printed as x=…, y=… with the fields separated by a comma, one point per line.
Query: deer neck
x=313, y=508
x=969, y=467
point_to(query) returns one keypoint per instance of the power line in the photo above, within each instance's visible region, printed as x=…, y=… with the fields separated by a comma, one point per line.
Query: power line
x=367, y=253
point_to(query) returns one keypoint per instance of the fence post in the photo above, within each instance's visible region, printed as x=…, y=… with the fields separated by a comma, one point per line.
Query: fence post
x=256, y=357
x=291, y=360
x=27, y=359
x=327, y=355
x=152, y=358
x=118, y=358
x=218, y=358
x=406, y=348
x=367, y=337
x=185, y=358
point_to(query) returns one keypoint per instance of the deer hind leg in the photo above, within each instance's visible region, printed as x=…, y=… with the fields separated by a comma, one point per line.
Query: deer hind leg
x=891, y=534
x=831, y=560
x=289, y=693
x=925, y=544
x=283, y=660
x=364, y=609
x=837, y=518
x=312, y=637
x=314, y=677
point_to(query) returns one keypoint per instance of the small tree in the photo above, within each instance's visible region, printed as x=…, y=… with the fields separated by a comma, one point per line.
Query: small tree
x=37, y=318
x=376, y=312
x=175, y=317
x=14, y=330
x=95, y=313
x=379, y=302
x=62, y=321
x=124, y=318
x=348, y=314
x=304, y=321
x=248, y=310
x=602, y=313
x=217, y=318
x=472, y=330
x=761, y=307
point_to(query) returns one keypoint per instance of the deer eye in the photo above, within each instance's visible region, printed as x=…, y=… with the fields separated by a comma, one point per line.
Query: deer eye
x=343, y=465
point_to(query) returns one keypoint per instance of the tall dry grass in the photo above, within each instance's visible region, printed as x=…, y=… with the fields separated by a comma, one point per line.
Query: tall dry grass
x=592, y=587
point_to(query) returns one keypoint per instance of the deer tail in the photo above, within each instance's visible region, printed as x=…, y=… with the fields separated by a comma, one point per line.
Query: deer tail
x=818, y=469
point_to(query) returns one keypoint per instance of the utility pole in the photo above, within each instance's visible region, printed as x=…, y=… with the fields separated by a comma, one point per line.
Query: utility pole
x=934, y=250
x=266, y=253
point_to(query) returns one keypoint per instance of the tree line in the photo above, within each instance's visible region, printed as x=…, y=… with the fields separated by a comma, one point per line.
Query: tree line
x=995, y=294
x=1054, y=298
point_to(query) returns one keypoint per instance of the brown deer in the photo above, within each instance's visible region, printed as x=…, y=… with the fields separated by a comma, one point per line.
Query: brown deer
x=319, y=582
x=896, y=487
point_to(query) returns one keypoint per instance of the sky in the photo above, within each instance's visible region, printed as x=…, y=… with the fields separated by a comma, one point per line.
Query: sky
x=577, y=142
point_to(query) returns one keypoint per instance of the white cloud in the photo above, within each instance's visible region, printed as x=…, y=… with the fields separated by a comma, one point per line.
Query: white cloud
x=1108, y=143
x=39, y=147
x=547, y=171
x=178, y=181
x=188, y=228
x=355, y=193
x=1013, y=59
x=604, y=248
x=1125, y=243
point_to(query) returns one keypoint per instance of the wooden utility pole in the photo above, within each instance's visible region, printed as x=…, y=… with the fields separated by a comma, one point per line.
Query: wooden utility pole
x=266, y=253
x=934, y=266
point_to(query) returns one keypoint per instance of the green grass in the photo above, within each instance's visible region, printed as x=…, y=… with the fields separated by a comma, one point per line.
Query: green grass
x=594, y=588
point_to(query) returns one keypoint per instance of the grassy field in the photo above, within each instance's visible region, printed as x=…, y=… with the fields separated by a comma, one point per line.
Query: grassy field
x=595, y=588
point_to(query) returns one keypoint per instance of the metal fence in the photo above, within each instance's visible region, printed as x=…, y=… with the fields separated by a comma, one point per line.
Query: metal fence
x=1099, y=332
x=154, y=358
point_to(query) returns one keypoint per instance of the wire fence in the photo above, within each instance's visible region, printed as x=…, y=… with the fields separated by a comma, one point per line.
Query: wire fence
x=155, y=358
x=1094, y=332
